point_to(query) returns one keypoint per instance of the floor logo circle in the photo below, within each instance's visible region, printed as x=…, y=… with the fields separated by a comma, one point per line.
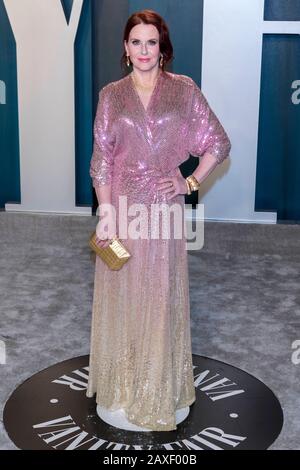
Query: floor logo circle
x=233, y=410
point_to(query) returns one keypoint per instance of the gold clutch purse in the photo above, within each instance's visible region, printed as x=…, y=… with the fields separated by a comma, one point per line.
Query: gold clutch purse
x=114, y=255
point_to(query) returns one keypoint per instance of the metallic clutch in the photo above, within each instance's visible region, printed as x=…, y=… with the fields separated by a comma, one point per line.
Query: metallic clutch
x=114, y=255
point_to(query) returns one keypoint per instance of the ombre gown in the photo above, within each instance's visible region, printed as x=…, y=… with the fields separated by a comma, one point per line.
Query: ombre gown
x=140, y=355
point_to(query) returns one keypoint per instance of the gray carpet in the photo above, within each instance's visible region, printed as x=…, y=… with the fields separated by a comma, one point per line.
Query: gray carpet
x=245, y=301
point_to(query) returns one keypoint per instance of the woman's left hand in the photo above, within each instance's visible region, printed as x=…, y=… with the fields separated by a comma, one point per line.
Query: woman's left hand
x=172, y=185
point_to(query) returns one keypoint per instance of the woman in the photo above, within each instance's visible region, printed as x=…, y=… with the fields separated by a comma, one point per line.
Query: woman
x=146, y=125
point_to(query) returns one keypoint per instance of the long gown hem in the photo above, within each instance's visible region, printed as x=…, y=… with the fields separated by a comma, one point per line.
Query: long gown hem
x=137, y=422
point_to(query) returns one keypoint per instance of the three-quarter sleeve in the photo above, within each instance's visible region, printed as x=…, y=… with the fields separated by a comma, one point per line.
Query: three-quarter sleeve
x=206, y=134
x=101, y=165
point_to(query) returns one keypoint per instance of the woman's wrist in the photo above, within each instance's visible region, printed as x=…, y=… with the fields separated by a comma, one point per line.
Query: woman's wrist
x=193, y=183
x=189, y=191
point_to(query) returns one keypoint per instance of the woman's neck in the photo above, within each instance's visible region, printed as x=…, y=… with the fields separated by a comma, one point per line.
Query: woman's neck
x=145, y=80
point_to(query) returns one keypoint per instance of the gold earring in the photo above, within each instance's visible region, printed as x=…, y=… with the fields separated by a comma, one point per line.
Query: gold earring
x=127, y=61
x=161, y=60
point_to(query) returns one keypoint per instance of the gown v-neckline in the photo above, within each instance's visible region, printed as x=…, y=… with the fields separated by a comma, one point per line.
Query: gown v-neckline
x=154, y=91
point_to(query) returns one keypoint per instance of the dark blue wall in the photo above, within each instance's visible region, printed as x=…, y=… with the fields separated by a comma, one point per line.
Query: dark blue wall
x=278, y=159
x=9, y=132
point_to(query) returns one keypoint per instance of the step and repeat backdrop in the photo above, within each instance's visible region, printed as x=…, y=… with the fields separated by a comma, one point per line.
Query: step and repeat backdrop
x=55, y=55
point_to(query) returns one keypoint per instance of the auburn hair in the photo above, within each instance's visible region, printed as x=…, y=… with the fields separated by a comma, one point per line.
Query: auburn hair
x=150, y=17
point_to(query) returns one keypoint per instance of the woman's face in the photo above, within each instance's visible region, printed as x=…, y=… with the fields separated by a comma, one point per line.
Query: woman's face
x=143, y=43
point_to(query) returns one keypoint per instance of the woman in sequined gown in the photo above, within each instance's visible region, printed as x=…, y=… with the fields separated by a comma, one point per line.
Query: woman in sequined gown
x=140, y=357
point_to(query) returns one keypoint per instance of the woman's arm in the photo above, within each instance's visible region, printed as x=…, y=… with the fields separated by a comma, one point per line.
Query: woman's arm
x=101, y=165
x=206, y=133
x=103, y=193
x=206, y=139
x=207, y=164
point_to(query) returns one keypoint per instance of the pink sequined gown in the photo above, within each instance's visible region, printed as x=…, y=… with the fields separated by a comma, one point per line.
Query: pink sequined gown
x=141, y=358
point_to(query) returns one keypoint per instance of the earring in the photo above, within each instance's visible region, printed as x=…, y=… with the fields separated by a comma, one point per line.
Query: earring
x=161, y=60
x=127, y=61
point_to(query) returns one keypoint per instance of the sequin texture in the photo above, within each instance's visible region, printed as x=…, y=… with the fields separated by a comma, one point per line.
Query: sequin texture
x=141, y=358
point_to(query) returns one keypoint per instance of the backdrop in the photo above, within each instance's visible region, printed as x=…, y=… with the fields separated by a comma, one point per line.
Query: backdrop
x=55, y=56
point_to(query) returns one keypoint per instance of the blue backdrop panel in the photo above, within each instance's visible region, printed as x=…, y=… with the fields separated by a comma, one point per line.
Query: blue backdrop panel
x=108, y=18
x=9, y=130
x=67, y=7
x=282, y=10
x=107, y=49
x=83, y=106
x=185, y=23
x=278, y=161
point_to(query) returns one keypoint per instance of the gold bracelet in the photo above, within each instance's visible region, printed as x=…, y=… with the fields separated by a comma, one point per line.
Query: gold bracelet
x=189, y=191
x=194, y=184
